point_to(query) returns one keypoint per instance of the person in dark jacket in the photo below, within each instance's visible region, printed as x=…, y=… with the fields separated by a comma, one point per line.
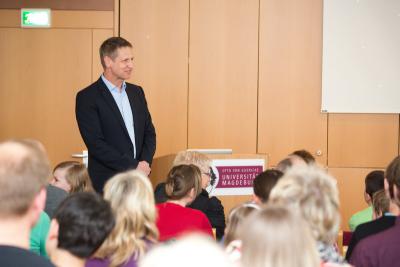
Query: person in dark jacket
x=384, y=219
x=210, y=206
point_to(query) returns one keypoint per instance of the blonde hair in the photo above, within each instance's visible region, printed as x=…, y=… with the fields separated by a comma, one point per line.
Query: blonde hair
x=313, y=192
x=76, y=176
x=193, y=157
x=193, y=250
x=24, y=171
x=236, y=217
x=277, y=237
x=131, y=197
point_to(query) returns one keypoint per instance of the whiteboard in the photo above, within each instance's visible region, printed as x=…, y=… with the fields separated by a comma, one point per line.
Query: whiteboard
x=361, y=56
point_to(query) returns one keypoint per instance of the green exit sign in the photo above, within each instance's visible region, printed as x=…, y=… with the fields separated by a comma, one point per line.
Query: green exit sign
x=35, y=18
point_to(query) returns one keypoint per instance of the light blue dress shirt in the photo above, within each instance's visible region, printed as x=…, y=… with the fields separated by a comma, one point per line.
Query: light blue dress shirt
x=121, y=98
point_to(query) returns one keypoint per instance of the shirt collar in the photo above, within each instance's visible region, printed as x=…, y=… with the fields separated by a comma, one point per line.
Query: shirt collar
x=111, y=86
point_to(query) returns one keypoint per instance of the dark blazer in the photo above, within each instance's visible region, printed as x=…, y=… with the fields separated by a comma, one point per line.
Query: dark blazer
x=103, y=130
x=369, y=228
x=210, y=206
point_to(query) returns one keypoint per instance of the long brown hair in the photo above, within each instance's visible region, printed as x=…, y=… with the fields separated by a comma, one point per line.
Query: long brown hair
x=181, y=179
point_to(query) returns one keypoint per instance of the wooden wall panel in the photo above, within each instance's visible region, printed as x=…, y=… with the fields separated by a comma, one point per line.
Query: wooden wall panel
x=362, y=140
x=116, y=17
x=44, y=69
x=158, y=30
x=82, y=19
x=64, y=19
x=99, y=36
x=351, y=191
x=223, y=74
x=59, y=4
x=10, y=18
x=289, y=99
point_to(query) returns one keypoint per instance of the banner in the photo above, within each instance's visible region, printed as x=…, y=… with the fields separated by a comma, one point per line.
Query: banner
x=234, y=176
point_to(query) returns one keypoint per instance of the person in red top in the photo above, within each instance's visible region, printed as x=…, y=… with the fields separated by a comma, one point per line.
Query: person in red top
x=174, y=218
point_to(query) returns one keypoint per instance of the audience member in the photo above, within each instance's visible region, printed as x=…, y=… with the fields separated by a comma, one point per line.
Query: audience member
x=38, y=235
x=68, y=177
x=192, y=250
x=24, y=170
x=263, y=184
x=381, y=250
x=210, y=206
x=81, y=223
x=235, y=219
x=277, y=237
x=183, y=185
x=132, y=200
x=285, y=164
x=72, y=177
x=373, y=183
x=298, y=158
x=312, y=191
x=306, y=156
x=383, y=220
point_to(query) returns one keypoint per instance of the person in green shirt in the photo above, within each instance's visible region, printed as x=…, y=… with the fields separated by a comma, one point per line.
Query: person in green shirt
x=374, y=182
x=39, y=235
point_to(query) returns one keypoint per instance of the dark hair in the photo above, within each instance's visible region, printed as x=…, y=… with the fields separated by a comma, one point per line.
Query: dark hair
x=393, y=175
x=110, y=46
x=264, y=182
x=374, y=181
x=181, y=179
x=85, y=219
x=304, y=155
x=284, y=165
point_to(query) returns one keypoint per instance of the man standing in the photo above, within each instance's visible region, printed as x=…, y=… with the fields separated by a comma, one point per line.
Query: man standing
x=113, y=117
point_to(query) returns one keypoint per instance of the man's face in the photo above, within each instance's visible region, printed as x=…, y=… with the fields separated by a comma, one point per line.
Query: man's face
x=121, y=67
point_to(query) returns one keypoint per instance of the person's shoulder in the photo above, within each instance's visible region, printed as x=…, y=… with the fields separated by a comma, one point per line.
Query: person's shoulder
x=160, y=186
x=133, y=86
x=137, y=89
x=165, y=207
x=97, y=262
x=54, y=191
x=19, y=257
x=372, y=242
x=365, y=226
x=359, y=217
x=91, y=89
x=202, y=197
x=212, y=203
x=361, y=214
x=44, y=218
x=215, y=202
x=195, y=213
x=159, y=193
